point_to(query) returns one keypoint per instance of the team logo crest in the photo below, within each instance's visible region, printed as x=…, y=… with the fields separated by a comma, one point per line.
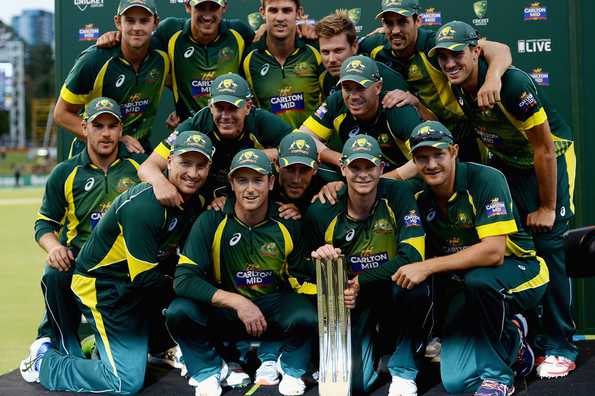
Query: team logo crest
x=302, y=69
x=225, y=55
x=196, y=141
x=464, y=220
x=355, y=65
x=227, y=85
x=269, y=250
x=104, y=104
x=414, y=72
x=446, y=33
x=383, y=138
x=361, y=144
x=425, y=130
x=124, y=184
x=382, y=226
x=392, y=3
x=480, y=8
x=248, y=157
x=255, y=20
x=299, y=146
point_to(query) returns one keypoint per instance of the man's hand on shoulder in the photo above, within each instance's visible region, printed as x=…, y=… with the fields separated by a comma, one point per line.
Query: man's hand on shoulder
x=109, y=39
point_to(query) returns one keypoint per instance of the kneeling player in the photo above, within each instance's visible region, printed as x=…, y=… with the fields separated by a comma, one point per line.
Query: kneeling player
x=118, y=271
x=486, y=267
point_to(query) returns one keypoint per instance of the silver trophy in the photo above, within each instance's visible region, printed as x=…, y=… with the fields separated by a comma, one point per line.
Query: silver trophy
x=334, y=328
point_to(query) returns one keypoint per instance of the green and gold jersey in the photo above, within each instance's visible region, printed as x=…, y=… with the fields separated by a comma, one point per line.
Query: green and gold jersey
x=78, y=194
x=391, y=80
x=423, y=75
x=194, y=65
x=504, y=128
x=480, y=207
x=261, y=130
x=375, y=247
x=134, y=235
x=334, y=124
x=292, y=90
x=224, y=253
x=104, y=72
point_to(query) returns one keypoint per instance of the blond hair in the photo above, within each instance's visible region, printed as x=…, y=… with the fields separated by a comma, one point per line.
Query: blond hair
x=335, y=24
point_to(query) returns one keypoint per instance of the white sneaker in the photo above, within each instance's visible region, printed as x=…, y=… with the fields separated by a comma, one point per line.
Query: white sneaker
x=267, y=373
x=402, y=387
x=289, y=386
x=555, y=367
x=210, y=386
x=236, y=377
x=30, y=366
x=172, y=357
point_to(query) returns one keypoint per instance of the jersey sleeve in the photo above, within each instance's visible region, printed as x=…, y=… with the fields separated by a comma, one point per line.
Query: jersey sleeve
x=321, y=123
x=166, y=29
x=270, y=128
x=401, y=122
x=141, y=236
x=370, y=43
x=53, y=205
x=391, y=79
x=520, y=100
x=195, y=265
x=493, y=205
x=80, y=81
x=243, y=29
x=410, y=232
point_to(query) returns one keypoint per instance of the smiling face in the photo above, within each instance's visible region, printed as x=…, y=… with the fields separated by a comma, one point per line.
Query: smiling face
x=280, y=17
x=229, y=119
x=188, y=172
x=436, y=166
x=251, y=189
x=136, y=25
x=295, y=179
x=205, y=20
x=401, y=31
x=334, y=50
x=362, y=102
x=362, y=176
x=458, y=66
x=103, y=134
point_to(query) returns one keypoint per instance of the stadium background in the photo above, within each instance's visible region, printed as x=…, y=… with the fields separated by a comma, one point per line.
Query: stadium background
x=548, y=39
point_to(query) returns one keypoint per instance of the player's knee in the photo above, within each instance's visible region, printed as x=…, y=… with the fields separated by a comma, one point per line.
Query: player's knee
x=132, y=386
x=53, y=279
x=478, y=280
x=303, y=315
x=417, y=295
x=178, y=313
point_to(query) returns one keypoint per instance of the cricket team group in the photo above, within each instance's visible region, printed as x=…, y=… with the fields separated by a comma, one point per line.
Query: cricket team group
x=438, y=170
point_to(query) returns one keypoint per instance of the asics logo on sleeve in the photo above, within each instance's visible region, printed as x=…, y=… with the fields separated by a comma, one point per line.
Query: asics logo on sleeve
x=235, y=239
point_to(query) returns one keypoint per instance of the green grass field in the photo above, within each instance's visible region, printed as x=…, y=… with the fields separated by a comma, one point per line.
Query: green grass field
x=21, y=265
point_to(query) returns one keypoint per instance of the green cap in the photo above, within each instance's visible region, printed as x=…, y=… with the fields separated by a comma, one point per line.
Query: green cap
x=148, y=5
x=194, y=141
x=252, y=159
x=361, y=69
x=455, y=36
x=361, y=146
x=403, y=7
x=298, y=148
x=102, y=105
x=195, y=2
x=230, y=88
x=430, y=134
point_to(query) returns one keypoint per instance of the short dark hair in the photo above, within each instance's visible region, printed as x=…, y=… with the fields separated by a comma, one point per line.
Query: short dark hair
x=336, y=23
x=263, y=3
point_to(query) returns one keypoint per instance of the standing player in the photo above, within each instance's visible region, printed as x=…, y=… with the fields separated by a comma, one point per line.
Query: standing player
x=78, y=193
x=375, y=224
x=232, y=282
x=116, y=274
x=533, y=146
x=282, y=70
x=131, y=74
x=233, y=123
x=404, y=46
x=357, y=109
x=338, y=41
x=485, y=264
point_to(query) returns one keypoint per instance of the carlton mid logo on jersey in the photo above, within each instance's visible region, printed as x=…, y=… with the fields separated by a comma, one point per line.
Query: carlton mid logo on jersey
x=366, y=262
x=254, y=278
x=412, y=219
x=496, y=208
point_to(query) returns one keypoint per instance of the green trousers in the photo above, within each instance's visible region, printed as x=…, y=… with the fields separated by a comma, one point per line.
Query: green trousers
x=199, y=328
x=62, y=314
x=121, y=317
x=479, y=340
x=556, y=327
